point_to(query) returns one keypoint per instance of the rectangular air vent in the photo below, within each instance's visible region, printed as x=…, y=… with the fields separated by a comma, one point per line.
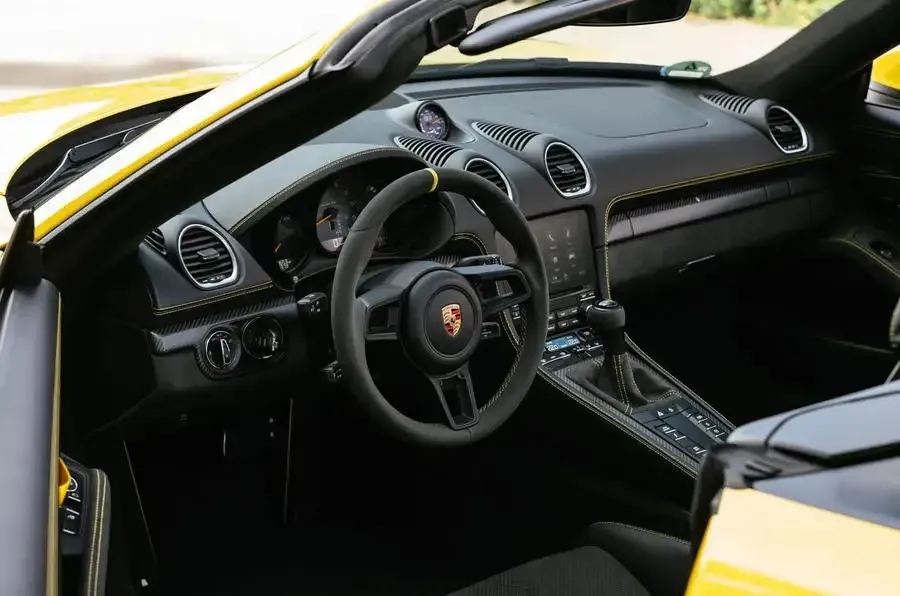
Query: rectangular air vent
x=434, y=152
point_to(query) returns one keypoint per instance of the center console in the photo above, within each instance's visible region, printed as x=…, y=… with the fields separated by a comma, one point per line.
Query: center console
x=588, y=356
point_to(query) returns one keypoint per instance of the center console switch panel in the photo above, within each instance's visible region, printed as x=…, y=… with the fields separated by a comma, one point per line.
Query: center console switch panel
x=687, y=427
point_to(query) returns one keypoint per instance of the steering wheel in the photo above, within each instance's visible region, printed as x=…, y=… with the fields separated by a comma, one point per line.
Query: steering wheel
x=436, y=313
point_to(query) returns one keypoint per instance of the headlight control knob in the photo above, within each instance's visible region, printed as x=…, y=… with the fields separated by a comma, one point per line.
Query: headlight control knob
x=221, y=351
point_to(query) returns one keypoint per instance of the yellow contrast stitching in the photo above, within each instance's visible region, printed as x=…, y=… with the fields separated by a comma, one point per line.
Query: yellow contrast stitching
x=94, y=535
x=203, y=301
x=98, y=546
x=889, y=268
x=100, y=537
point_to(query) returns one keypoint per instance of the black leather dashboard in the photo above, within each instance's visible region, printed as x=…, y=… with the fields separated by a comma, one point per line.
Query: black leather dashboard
x=672, y=176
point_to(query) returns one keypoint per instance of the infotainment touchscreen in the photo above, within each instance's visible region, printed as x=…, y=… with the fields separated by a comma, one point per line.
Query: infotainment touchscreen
x=565, y=242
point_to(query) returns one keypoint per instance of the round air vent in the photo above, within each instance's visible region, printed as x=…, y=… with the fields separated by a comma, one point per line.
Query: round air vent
x=786, y=131
x=566, y=170
x=206, y=257
x=487, y=170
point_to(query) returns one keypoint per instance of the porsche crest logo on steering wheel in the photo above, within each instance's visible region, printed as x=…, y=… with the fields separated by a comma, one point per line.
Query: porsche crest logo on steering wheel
x=452, y=316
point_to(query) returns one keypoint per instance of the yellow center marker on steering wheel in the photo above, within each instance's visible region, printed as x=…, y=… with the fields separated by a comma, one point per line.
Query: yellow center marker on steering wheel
x=434, y=175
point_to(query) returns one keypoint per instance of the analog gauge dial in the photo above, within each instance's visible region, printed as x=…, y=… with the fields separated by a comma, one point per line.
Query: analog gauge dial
x=432, y=121
x=290, y=250
x=338, y=209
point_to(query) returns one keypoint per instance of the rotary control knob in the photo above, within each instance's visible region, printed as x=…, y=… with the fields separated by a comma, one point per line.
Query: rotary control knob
x=221, y=351
x=262, y=337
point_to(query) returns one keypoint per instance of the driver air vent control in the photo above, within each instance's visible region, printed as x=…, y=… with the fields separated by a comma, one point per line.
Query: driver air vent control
x=785, y=130
x=487, y=170
x=566, y=169
x=157, y=241
x=738, y=104
x=206, y=257
x=510, y=136
x=434, y=152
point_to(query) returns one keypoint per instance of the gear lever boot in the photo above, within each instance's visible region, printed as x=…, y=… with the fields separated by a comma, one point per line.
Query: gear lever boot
x=607, y=319
x=618, y=377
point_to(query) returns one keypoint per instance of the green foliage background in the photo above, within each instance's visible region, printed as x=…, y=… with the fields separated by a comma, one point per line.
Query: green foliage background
x=774, y=12
x=790, y=13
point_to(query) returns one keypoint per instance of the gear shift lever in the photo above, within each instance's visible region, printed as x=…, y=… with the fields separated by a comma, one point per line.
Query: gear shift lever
x=607, y=319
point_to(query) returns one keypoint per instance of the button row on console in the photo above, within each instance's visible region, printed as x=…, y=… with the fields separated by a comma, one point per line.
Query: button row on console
x=704, y=422
x=562, y=325
x=692, y=430
x=681, y=440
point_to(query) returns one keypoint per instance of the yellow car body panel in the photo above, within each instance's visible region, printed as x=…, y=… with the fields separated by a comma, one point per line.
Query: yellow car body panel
x=886, y=70
x=188, y=121
x=761, y=544
x=31, y=123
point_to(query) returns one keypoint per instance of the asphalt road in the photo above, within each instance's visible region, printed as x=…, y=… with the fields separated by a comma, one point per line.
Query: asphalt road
x=48, y=44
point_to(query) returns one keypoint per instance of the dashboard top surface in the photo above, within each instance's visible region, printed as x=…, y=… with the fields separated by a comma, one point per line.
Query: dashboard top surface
x=633, y=137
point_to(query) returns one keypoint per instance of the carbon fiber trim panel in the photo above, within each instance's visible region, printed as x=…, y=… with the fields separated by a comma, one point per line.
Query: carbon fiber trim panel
x=187, y=334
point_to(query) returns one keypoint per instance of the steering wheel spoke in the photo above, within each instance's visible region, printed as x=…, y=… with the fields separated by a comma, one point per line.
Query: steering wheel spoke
x=511, y=283
x=456, y=395
x=381, y=312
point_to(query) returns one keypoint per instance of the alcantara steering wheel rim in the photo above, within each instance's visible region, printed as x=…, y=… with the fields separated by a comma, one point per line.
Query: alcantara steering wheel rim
x=440, y=313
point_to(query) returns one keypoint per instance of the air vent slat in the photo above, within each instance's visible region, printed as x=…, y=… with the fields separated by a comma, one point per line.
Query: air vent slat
x=509, y=136
x=156, y=241
x=738, y=104
x=567, y=171
x=207, y=258
x=491, y=173
x=786, y=131
x=434, y=152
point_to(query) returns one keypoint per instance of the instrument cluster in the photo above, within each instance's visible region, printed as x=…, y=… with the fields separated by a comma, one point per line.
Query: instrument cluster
x=312, y=227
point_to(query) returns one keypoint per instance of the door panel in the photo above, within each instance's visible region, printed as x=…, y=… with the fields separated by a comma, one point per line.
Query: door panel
x=29, y=431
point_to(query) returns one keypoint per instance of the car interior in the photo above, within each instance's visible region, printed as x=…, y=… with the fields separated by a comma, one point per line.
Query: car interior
x=313, y=380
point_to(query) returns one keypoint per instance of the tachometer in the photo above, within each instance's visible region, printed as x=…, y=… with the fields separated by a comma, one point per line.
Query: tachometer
x=340, y=206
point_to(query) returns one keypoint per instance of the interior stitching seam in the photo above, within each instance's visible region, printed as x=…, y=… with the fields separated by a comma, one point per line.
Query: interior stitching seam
x=685, y=183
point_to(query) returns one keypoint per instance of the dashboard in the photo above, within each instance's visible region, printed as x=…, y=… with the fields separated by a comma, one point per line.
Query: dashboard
x=621, y=179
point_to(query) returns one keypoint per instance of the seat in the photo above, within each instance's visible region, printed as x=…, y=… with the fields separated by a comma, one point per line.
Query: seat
x=615, y=560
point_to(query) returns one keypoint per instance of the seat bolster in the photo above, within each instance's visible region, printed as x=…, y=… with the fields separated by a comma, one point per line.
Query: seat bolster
x=661, y=563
